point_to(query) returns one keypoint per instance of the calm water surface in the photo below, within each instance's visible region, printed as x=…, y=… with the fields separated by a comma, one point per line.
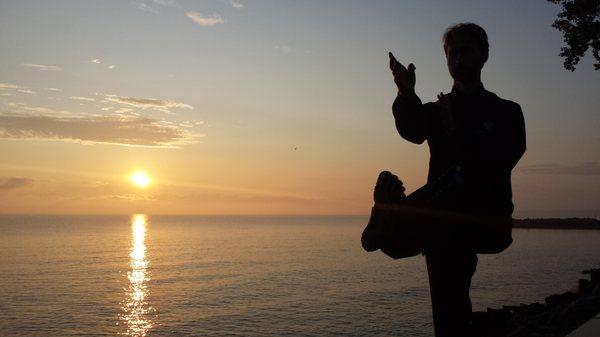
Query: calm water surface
x=246, y=276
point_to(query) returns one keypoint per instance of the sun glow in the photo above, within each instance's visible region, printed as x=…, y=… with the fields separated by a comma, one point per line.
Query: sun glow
x=141, y=179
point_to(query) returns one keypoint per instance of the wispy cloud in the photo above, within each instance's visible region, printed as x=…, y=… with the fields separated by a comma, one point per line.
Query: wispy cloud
x=147, y=103
x=122, y=197
x=144, y=6
x=10, y=86
x=584, y=169
x=118, y=130
x=81, y=98
x=99, y=61
x=284, y=49
x=23, y=108
x=123, y=110
x=166, y=3
x=15, y=88
x=11, y=183
x=236, y=4
x=41, y=67
x=224, y=193
x=205, y=20
x=53, y=89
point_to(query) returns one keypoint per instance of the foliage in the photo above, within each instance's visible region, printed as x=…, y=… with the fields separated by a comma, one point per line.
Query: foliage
x=580, y=25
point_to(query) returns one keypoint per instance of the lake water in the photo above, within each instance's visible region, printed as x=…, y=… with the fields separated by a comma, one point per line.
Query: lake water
x=247, y=276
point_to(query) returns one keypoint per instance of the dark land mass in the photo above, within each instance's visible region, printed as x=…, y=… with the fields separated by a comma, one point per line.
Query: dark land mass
x=558, y=316
x=557, y=223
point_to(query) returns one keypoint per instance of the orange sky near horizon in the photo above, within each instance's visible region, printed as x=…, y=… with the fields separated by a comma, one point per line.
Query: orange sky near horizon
x=247, y=110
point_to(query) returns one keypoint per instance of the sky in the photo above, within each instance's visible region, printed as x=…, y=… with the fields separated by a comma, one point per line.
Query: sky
x=267, y=107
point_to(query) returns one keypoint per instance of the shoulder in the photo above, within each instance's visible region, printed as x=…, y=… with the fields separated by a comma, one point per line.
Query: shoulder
x=503, y=104
x=441, y=104
x=507, y=112
x=505, y=109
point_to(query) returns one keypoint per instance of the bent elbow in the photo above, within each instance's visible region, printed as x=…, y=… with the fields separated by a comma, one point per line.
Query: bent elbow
x=413, y=137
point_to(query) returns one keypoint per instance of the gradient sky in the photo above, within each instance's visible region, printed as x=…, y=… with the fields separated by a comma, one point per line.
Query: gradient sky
x=267, y=107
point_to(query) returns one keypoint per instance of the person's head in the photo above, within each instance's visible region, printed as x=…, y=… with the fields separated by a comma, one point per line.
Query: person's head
x=466, y=48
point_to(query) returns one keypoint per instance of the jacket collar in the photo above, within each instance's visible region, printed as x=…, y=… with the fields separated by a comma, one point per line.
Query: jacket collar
x=479, y=90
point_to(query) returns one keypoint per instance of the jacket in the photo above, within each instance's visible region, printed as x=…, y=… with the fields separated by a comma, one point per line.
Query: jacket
x=480, y=133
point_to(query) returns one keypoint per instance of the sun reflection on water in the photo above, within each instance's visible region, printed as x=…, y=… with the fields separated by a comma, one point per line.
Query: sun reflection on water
x=135, y=307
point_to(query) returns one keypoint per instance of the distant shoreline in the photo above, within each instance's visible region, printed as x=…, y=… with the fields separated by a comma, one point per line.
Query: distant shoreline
x=557, y=223
x=527, y=223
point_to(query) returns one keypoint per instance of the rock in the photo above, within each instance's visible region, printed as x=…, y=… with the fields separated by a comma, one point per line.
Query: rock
x=559, y=299
x=561, y=313
x=594, y=274
x=584, y=285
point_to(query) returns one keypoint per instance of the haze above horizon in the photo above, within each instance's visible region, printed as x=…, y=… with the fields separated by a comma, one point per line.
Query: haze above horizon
x=266, y=107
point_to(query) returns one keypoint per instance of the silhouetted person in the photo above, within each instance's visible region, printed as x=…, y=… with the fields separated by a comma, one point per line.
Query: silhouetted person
x=481, y=133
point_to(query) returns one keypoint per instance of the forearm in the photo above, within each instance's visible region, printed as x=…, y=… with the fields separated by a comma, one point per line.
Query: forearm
x=410, y=118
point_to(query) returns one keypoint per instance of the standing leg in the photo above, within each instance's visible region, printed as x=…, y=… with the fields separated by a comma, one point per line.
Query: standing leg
x=449, y=282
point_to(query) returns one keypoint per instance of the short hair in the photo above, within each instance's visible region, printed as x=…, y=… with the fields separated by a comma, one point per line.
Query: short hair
x=470, y=30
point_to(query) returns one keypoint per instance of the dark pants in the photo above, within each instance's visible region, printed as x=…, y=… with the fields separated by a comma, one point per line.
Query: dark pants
x=449, y=282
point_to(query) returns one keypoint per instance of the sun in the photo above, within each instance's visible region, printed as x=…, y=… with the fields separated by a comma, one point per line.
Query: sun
x=140, y=179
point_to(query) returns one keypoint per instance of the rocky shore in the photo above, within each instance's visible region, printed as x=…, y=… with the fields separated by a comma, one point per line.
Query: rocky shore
x=558, y=316
x=557, y=223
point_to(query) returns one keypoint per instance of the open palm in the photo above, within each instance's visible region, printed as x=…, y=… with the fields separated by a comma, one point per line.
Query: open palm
x=404, y=78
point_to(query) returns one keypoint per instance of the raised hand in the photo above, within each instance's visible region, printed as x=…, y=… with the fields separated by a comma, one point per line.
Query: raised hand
x=404, y=78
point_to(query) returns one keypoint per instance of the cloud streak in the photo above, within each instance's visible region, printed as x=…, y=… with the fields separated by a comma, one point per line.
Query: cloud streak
x=147, y=103
x=12, y=183
x=236, y=4
x=166, y=3
x=205, y=20
x=146, y=8
x=41, y=67
x=81, y=98
x=10, y=86
x=118, y=130
x=285, y=49
x=583, y=169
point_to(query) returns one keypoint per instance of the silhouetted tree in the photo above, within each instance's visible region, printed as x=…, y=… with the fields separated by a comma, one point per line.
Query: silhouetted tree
x=580, y=25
